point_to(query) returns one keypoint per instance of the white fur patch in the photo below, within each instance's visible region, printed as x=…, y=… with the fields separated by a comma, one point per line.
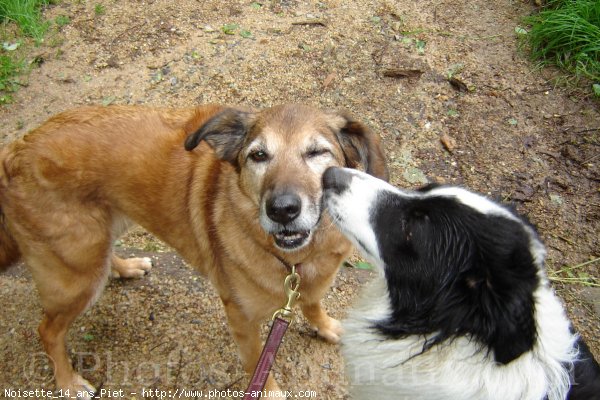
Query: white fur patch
x=475, y=201
x=319, y=163
x=351, y=212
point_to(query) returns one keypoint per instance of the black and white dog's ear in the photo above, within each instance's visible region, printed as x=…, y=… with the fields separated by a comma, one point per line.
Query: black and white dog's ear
x=360, y=145
x=225, y=133
x=502, y=288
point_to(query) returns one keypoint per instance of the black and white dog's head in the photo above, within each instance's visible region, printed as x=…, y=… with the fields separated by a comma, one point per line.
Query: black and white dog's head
x=456, y=263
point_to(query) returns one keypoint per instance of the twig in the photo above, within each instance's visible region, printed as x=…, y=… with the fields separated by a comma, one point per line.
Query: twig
x=573, y=280
x=555, y=156
x=231, y=384
x=158, y=345
x=179, y=365
x=566, y=240
x=553, y=276
x=586, y=263
x=587, y=130
x=402, y=73
x=135, y=27
x=449, y=34
x=591, y=159
x=313, y=22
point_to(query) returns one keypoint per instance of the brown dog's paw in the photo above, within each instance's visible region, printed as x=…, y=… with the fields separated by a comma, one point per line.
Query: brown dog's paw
x=79, y=388
x=272, y=390
x=131, y=267
x=331, y=331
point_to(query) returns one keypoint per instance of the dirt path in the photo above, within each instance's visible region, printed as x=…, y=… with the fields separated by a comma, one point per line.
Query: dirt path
x=501, y=128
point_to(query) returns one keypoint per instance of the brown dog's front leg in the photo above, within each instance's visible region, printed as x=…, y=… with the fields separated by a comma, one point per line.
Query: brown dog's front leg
x=246, y=334
x=53, y=329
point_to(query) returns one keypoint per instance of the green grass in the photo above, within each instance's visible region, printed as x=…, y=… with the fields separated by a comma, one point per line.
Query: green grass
x=575, y=274
x=27, y=15
x=9, y=69
x=21, y=23
x=99, y=9
x=566, y=33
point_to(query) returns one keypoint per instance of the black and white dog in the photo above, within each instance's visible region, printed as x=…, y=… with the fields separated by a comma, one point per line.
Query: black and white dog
x=461, y=308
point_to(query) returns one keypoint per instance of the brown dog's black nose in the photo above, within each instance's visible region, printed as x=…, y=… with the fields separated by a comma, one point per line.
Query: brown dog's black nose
x=284, y=208
x=336, y=179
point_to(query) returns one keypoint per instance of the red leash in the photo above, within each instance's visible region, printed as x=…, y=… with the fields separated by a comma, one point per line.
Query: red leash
x=267, y=357
x=281, y=320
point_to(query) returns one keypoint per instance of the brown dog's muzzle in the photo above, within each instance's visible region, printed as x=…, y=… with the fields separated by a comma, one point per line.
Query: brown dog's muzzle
x=284, y=208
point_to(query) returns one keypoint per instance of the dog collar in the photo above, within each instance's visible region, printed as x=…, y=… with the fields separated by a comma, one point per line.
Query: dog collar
x=288, y=266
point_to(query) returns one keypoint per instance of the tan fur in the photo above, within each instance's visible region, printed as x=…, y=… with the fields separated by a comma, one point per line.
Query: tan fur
x=71, y=186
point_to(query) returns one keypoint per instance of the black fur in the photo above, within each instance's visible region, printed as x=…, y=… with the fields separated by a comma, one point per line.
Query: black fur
x=456, y=272
x=586, y=375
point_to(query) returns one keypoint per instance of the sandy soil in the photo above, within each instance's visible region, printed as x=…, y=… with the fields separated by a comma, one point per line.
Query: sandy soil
x=500, y=127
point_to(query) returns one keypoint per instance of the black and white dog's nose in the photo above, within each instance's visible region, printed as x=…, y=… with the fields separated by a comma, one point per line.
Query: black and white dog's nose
x=336, y=179
x=284, y=208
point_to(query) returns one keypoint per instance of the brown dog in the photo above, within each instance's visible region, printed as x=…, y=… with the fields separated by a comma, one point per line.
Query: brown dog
x=241, y=202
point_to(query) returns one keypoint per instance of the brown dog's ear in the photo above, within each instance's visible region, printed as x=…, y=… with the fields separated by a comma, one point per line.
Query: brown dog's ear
x=225, y=133
x=360, y=145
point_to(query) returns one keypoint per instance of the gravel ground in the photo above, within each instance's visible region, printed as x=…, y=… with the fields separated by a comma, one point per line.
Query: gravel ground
x=500, y=126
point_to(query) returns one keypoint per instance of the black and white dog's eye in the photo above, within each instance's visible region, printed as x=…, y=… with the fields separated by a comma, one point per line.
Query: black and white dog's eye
x=259, y=156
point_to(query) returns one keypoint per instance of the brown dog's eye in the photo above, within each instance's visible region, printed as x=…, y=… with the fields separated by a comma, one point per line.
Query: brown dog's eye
x=316, y=152
x=259, y=156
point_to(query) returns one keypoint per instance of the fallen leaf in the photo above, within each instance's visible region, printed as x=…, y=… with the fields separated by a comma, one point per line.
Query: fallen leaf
x=415, y=175
x=38, y=60
x=66, y=80
x=313, y=22
x=455, y=69
x=88, y=337
x=448, y=142
x=520, y=31
x=556, y=199
x=329, y=80
x=304, y=47
x=363, y=265
x=453, y=113
x=108, y=100
x=10, y=46
x=458, y=84
x=523, y=193
x=402, y=73
x=229, y=29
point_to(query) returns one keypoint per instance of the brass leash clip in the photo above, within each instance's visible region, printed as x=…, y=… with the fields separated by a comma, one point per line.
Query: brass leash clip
x=290, y=285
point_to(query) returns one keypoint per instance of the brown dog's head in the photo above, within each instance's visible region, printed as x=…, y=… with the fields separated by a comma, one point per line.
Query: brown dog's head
x=281, y=154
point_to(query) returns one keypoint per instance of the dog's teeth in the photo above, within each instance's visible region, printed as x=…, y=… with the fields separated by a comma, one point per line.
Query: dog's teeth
x=290, y=236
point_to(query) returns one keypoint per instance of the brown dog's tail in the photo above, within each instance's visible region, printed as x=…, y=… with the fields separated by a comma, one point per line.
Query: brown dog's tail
x=9, y=250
